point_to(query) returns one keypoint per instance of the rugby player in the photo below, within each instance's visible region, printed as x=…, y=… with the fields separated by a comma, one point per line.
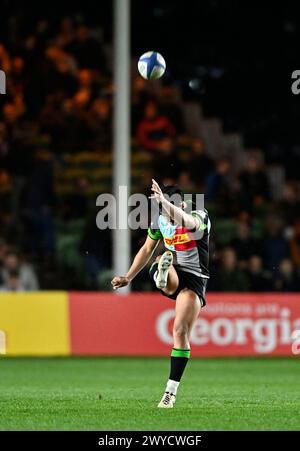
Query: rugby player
x=181, y=273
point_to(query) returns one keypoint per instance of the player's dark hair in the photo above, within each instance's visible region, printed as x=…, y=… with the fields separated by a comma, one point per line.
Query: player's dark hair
x=171, y=190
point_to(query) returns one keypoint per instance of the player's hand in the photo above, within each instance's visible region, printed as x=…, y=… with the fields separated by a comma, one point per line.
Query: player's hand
x=119, y=282
x=157, y=192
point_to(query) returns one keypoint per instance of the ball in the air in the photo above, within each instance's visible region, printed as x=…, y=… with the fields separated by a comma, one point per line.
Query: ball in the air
x=151, y=65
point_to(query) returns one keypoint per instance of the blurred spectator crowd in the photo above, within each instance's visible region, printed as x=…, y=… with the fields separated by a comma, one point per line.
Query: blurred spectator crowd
x=56, y=156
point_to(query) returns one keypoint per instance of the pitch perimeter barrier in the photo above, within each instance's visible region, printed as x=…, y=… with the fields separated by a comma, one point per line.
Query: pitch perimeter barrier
x=84, y=323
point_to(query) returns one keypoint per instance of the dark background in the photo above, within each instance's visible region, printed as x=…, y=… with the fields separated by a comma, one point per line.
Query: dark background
x=233, y=58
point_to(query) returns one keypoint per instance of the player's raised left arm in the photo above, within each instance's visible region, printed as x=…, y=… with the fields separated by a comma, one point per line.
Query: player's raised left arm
x=178, y=215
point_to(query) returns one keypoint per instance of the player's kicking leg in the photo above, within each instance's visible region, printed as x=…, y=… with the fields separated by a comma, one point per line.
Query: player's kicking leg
x=187, y=310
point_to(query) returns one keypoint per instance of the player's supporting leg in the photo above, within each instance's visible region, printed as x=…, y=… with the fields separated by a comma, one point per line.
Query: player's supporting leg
x=188, y=306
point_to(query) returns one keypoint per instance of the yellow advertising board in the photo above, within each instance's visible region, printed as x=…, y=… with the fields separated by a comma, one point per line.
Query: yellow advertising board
x=34, y=324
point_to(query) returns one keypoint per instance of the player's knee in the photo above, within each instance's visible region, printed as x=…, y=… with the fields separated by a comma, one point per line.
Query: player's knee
x=180, y=332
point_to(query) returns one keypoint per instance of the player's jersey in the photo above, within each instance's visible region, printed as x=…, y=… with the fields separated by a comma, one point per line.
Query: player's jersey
x=190, y=249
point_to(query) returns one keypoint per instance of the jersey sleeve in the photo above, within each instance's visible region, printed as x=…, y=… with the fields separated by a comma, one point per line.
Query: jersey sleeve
x=204, y=222
x=154, y=234
x=153, y=231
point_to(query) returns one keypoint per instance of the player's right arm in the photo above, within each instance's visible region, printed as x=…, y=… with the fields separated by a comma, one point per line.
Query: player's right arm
x=140, y=260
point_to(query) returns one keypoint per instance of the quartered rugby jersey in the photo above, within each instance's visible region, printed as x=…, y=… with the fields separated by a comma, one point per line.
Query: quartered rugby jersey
x=190, y=249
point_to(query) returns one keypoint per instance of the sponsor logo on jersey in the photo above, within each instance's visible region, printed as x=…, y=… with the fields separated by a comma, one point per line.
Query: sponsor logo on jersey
x=177, y=239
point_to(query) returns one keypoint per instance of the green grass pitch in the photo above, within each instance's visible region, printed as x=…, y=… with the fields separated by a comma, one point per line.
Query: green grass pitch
x=122, y=394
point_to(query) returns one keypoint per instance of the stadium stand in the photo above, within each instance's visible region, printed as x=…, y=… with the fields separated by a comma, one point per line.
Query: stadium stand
x=56, y=158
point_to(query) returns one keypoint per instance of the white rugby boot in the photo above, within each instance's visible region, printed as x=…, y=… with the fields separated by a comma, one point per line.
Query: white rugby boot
x=164, y=264
x=167, y=401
